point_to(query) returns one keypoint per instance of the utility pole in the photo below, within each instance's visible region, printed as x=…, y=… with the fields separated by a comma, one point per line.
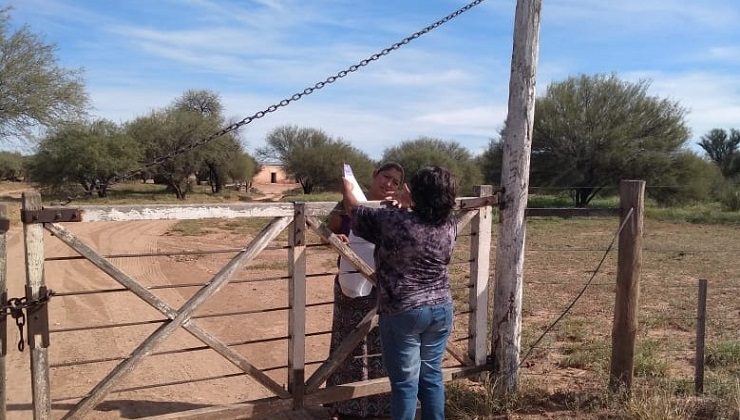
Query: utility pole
x=507, y=317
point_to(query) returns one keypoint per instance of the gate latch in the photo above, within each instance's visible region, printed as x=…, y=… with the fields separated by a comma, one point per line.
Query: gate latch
x=51, y=215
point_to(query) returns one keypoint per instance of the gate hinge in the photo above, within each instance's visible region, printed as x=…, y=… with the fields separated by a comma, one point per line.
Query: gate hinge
x=51, y=215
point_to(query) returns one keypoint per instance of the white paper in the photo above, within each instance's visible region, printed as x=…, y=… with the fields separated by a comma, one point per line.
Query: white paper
x=355, y=284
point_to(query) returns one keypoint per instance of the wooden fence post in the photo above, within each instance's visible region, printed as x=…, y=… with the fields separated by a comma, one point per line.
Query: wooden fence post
x=701, y=322
x=297, y=313
x=34, y=250
x=509, y=271
x=480, y=257
x=4, y=225
x=629, y=260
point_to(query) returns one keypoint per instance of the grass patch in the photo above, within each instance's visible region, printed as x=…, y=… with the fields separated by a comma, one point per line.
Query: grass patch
x=585, y=356
x=707, y=213
x=649, y=362
x=298, y=196
x=242, y=226
x=725, y=354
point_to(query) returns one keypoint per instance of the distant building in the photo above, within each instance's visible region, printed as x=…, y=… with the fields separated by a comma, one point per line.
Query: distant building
x=272, y=173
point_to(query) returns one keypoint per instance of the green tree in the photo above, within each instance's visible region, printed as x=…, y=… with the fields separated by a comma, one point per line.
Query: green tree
x=723, y=149
x=89, y=154
x=241, y=169
x=12, y=166
x=193, y=116
x=35, y=91
x=217, y=154
x=424, y=151
x=490, y=162
x=592, y=131
x=313, y=158
x=690, y=179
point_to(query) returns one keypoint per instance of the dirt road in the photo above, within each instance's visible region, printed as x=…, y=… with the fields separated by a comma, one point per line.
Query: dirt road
x=74, y=343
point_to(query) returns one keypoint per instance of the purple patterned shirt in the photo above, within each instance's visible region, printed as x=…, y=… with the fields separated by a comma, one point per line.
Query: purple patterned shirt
x=411, y=257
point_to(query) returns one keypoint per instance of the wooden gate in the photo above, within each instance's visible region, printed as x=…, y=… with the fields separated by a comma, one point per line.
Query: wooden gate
x=298, y=218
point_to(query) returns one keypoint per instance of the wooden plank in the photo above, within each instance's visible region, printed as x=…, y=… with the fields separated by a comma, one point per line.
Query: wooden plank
x=570, y=212
x=257, y=409
x=297, y=311
x=467, y=203
x=367, y=323
x=458, y=354
x=230, y=211
x=34, y=252
x=629, y=261
x=3, y=319
x=480, y=255
x=197, y=211
x=379, y=386
x=342, y=248
x=267, y=407
x=183, y=315
x=509, y=273
x=464, y=219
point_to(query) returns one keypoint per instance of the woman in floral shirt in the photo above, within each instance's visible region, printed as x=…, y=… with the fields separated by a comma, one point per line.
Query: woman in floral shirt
x=412, y=250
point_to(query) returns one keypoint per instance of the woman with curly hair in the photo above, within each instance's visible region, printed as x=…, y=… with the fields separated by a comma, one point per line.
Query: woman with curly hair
x=364, y=362
x=412, y=251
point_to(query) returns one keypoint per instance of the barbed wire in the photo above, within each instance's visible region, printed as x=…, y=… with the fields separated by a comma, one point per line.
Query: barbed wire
x=627, y=217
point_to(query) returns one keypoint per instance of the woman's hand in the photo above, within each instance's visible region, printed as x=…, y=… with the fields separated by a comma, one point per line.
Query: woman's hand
x=400, y=200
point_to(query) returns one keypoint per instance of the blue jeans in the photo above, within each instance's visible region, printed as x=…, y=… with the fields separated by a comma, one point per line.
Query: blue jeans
x=414, y=342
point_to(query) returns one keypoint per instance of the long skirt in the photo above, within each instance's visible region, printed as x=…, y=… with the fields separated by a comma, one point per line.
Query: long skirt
x=364, y=363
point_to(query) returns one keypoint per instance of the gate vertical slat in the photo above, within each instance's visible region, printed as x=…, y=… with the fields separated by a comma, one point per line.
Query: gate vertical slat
x=480, y=252
x=34, y=251
x=3, y=300
x=297, y=313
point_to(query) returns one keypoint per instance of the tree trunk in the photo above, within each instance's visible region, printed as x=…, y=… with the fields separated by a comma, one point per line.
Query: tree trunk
x=103, y=190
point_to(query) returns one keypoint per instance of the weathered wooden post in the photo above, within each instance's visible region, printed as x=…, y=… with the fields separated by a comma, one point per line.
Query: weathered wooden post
x=701, y=325
x=507, y=317
x=34, y=251
x=480, y=256
x=4, y=227
x=297, y=313
x=629, y=260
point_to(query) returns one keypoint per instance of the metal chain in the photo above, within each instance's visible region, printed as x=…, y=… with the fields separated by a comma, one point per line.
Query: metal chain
x=307, y=91
x=15, y=307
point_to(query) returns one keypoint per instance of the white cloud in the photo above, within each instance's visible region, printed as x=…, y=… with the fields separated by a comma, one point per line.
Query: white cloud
x=641, y=13
x=713, y=99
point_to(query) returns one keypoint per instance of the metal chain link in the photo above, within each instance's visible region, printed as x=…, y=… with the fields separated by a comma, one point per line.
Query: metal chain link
x=15, y=307
x=307, y=91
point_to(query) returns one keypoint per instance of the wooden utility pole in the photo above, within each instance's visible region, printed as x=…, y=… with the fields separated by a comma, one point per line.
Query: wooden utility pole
x=629, y=261
x=507, y=317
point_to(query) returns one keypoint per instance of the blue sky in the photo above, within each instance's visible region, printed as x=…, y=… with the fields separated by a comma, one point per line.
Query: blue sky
x=138, y=55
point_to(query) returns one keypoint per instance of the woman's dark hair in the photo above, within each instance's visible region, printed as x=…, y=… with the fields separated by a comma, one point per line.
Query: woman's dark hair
x=433, y=191
x=390, y=165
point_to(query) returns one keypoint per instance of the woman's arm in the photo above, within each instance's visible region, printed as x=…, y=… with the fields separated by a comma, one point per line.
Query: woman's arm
x=335, y=219
x=349, y=200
